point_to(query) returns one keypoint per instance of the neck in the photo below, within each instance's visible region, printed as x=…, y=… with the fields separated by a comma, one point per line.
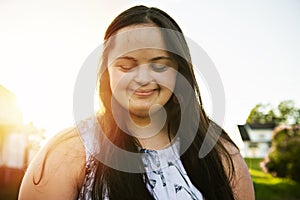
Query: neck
x=157, y=141
x=151, y=132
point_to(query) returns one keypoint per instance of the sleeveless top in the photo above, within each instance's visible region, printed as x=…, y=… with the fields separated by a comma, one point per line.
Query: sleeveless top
x=164, y=169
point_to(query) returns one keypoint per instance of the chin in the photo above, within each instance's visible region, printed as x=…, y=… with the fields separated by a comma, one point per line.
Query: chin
x=141, y=113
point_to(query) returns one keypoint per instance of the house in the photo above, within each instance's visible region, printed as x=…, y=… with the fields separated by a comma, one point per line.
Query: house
x=257, y=139
x=19, y=142
x=10, y=119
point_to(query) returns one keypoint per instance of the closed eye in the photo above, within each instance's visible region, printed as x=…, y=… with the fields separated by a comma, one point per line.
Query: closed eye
x=125, y=68
x=158, y=67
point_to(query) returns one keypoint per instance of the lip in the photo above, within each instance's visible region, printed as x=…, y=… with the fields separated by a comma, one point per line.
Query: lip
x=144, y=92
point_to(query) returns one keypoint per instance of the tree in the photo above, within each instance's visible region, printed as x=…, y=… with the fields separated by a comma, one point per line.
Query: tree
x=284, y=113
x=289, y=114
x=283, y=159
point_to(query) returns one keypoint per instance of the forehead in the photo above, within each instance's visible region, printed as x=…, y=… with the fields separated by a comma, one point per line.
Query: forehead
x=133, y=38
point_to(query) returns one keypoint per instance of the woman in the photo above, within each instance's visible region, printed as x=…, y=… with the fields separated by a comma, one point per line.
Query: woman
x=151, y=108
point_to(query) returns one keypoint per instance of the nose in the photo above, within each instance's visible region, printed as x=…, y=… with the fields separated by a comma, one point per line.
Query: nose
x=143, y=75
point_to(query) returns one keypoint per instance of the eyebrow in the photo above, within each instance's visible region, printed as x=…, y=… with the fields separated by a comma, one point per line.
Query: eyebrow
x=127, y=58
x=152, y=59
x=161, y=58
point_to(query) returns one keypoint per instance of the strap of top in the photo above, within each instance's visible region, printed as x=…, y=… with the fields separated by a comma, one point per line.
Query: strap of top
x=86, y=129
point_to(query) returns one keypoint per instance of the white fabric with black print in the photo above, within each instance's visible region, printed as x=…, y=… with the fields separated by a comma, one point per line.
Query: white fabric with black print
x=166, y=174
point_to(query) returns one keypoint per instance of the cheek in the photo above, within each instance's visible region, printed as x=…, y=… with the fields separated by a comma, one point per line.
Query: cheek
x=167, y=80
x=115, y=79
x=119, y=82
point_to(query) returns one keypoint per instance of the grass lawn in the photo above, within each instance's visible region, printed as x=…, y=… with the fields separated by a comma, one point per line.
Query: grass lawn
x=268, y=187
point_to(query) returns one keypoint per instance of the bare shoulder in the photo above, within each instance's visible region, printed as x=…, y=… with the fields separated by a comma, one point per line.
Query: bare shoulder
x=57, y=171
x=241, y=181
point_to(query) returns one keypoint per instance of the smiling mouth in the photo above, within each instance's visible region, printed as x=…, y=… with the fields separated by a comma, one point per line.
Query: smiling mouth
x=144, y=92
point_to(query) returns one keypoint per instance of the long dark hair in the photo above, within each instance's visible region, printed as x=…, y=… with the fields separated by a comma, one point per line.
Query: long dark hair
x=207, y=174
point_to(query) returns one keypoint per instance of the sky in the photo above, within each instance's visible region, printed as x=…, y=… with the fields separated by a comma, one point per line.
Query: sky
x=254, y=45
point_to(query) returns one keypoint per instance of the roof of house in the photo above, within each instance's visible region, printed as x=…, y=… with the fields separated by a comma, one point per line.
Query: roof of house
x=244, y=133
x=262, y=126
x=256, y=132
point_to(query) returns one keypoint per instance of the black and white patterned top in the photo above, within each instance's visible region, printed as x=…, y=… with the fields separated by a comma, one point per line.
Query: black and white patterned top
x=166, y=174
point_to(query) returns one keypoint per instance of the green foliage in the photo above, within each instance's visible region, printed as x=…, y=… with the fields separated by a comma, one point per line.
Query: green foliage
x=283, y=159
x=268, y=187
x=284, y=113
x=261, y=114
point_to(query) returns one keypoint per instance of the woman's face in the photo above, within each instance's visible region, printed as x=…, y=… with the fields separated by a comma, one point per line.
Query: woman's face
x=141, y=77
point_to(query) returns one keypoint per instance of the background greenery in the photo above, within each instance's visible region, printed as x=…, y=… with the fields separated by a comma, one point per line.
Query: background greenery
x=270, y=188
x=285, y=112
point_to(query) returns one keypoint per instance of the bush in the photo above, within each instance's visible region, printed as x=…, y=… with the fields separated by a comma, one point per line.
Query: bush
x=283, y=159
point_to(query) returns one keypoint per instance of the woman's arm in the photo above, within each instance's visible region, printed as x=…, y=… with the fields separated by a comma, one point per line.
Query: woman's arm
x=60, y=167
